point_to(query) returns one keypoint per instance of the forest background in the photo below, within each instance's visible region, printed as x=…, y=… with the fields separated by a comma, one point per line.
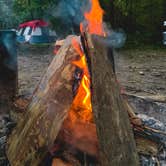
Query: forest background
x=141, y=20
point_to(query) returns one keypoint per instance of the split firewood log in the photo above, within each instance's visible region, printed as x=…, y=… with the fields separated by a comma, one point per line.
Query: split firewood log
x=35, y=134
x=49, y=106
x=116, y=141
x=82, y=135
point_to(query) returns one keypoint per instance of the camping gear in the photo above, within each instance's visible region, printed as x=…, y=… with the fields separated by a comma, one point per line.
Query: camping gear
x=35, y=32
x=8, y=68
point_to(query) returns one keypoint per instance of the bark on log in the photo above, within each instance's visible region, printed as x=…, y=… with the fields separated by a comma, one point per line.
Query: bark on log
x=116, y=142
x=35, y=134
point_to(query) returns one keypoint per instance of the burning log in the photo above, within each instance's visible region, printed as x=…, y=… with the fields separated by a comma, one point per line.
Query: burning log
x=35, y=134
x=53, y=99
x=116, y=141
x=82, y=135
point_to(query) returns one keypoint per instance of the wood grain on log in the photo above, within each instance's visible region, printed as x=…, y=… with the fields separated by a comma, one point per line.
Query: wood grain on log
x=116, y=141
x=49, y=106
x=35, y=134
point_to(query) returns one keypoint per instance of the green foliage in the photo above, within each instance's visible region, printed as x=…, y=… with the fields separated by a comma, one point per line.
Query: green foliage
x=31, y=9
x=7, y=17
x=142, y=20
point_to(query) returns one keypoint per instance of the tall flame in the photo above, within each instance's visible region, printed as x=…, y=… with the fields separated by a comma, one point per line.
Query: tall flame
x=81, y=106
x=95, y=18
x=82, y=101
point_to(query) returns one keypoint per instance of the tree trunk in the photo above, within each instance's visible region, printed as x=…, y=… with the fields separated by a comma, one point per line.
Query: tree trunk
x=35, y=134
x=116, y=142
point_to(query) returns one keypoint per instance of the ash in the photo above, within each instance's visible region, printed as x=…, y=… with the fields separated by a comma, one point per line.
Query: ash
x=6, y=126
x=161, y=158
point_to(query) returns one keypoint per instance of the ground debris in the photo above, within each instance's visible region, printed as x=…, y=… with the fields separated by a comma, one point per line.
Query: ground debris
x=6, y=126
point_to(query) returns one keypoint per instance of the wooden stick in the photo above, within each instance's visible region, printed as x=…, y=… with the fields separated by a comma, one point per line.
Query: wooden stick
x=35, y=134
x=116, y=140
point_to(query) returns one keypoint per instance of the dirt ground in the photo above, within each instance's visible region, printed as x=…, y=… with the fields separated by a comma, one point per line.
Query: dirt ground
x=32, y=63
x=141, y=72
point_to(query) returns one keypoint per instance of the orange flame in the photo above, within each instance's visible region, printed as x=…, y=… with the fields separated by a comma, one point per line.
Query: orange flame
x=95, y=18
x=81, y=106
x=82, y=101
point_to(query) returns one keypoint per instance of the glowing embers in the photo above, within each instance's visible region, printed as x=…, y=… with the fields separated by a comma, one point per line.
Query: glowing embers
x=82, y=101
x=94, y=19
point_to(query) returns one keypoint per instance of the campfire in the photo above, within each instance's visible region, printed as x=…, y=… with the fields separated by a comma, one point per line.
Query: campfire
x=77, y=114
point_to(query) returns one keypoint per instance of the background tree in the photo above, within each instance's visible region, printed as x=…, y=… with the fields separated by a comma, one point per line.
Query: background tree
x=141, y=20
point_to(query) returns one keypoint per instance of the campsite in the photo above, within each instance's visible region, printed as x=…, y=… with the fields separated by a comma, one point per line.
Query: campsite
x=35, y=32
x=81, y=85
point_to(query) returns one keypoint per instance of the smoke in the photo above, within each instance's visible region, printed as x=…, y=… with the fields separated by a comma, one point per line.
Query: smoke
x=71, y=13
x=116, y=39
x=68, y=12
